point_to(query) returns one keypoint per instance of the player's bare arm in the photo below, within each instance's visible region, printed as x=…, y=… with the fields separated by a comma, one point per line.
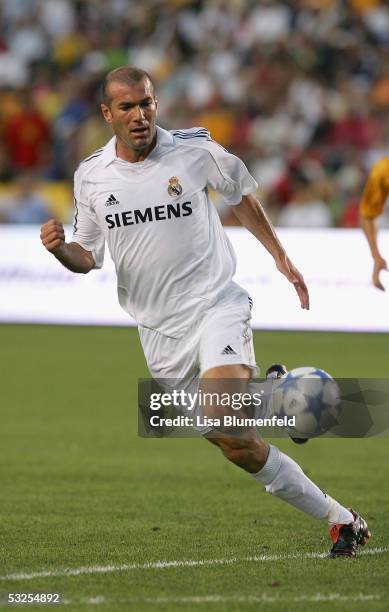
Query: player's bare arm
x=370, y=228
x=371, y=207
x=73, y=256
x=252, y=216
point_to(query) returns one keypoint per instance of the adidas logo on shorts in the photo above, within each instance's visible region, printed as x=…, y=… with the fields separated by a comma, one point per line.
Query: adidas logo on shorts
x=228, y=351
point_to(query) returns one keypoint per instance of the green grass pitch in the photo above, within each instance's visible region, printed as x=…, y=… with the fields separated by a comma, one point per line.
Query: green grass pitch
x=79, y=489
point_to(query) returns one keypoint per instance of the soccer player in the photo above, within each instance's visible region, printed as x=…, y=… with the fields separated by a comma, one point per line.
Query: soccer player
x=371, y=207
x=145, y=194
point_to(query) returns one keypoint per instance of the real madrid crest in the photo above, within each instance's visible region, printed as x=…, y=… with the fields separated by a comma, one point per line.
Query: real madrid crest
x=174, y=188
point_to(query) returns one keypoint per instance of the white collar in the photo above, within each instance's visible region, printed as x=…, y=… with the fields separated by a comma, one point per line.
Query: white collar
x=164, y=139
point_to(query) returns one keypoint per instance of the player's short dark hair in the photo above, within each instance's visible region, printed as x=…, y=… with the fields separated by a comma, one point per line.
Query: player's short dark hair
x=125, y=74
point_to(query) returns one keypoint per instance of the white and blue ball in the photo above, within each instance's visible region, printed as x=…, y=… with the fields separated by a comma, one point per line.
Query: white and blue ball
x=312, y=396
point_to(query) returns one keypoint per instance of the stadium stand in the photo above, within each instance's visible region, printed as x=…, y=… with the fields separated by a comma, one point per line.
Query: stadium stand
x=299, y=90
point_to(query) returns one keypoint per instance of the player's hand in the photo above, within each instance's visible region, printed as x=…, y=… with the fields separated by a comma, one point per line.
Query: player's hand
x=379, y=264
x=53, y=235
x=285, y=266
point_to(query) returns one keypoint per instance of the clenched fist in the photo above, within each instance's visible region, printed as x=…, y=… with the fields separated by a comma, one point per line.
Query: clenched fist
x=52, y=235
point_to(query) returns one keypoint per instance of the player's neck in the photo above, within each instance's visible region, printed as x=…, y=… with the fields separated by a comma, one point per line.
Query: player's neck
x=132, y=155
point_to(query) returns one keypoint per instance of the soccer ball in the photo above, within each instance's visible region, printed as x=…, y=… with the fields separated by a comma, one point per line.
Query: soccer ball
x=312, y=396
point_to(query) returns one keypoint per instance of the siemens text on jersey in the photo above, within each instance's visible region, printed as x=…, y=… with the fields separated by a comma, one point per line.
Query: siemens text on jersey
x=154, y=213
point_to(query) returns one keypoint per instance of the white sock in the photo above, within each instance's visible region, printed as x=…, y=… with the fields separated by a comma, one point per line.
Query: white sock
x=285, y=479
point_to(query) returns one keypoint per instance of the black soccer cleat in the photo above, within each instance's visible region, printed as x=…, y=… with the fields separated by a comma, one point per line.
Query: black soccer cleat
x=347, y=538
x=277, y=370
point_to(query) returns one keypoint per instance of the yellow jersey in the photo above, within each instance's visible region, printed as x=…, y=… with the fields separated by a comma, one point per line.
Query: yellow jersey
x=376, y=190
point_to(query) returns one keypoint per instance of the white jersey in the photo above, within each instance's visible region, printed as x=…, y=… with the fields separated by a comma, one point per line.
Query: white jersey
x=172, y=257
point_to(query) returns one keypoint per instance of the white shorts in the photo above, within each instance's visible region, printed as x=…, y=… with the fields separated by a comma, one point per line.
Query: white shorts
x=222, y=337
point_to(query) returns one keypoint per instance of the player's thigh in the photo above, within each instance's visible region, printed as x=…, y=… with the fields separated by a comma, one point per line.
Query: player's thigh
x=238, y=371
x=227, y=363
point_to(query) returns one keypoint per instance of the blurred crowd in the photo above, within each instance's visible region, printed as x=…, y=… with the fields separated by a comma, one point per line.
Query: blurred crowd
x=299, y=90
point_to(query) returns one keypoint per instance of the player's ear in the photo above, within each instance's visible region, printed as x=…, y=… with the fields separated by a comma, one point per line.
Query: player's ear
x=106, y=111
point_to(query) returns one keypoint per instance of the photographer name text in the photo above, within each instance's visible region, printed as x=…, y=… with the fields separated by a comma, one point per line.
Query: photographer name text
x=225, y=421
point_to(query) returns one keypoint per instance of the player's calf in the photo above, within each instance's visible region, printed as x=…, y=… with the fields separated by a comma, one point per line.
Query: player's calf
x=247, y=451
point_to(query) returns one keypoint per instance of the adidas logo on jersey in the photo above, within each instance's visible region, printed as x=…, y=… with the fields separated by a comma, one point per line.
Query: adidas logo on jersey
x=111, y=201
x=228, y=351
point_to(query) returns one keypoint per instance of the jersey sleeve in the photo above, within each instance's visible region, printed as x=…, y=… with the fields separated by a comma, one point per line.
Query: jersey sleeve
x=86, y=231
x=376, y=190
x=228, y=175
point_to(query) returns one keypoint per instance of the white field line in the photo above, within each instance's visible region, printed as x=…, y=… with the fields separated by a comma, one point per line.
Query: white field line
x=105, y=569
x=209, y=599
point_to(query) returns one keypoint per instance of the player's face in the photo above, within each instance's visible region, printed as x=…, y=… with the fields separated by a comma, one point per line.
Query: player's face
x=132, y=113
